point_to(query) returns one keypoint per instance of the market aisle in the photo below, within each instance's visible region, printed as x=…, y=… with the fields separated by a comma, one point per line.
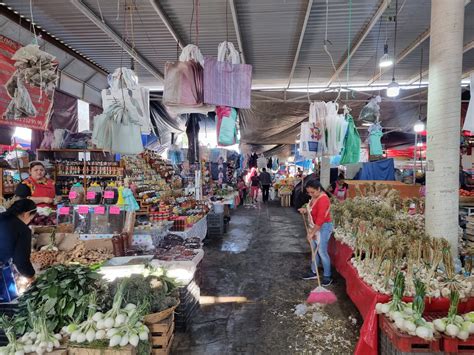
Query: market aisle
x=262, y=258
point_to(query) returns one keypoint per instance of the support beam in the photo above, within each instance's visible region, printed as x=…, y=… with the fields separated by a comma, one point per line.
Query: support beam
x=467, y=47
x=270, y=98
x=443, y=123
x=237, y=30
x=419, y=40
x=360, y=38
x=116, y=38
x=300, y=42
x=159, y=10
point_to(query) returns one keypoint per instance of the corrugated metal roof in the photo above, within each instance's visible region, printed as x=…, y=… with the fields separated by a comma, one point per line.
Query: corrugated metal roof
x=270, y=30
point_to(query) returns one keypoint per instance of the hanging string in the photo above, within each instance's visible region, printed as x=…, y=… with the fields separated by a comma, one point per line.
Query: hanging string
x=100, y=11
x=395, y=40
x=377, y=50
x=326, y=41
x=226, y=21
x=191, y=25
x=33, y=22
x=118, y=10
x=419, y=85
x=349, y=49
x=307, y=84
x=197, y=23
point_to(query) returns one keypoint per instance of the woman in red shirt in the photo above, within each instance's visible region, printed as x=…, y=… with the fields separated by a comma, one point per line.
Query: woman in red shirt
x=320, y=229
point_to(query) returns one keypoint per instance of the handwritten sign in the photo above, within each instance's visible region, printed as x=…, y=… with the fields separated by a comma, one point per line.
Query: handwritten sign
x=109, y=194
x=72, y=195
x=114, y=210
x=99, y=210
x=90, y=195
x=64, y=211
x=83, y=210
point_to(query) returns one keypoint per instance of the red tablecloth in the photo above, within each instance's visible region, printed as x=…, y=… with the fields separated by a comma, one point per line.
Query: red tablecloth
x=365, y=298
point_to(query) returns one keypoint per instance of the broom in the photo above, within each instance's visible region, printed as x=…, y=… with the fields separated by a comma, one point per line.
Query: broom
x=319, y=294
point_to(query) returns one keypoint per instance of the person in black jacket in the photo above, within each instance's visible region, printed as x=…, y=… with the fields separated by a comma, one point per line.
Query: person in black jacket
x=15, y=236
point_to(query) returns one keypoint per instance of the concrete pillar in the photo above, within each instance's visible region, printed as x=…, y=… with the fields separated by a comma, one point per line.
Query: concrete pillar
x=443, y=124
x=325, y=176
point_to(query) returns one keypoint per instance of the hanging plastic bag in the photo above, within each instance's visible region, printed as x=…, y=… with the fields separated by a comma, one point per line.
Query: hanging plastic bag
x=133, y=100
x=226, y=125
x=183, y=86
x=226, y=82
x=469, y=121
x=371, y=111
x=20, y=105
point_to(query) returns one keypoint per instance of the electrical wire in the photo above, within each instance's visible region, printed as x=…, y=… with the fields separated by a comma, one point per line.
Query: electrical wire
x=326, y=41
x=349, y=49
x=395, y=40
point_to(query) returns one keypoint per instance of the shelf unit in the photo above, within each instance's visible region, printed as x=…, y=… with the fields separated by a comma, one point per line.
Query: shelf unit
x=59, y=154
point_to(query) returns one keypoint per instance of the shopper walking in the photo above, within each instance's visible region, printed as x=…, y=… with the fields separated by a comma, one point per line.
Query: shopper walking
x=266, y=182
x=318, y=211
x=254, y=186
x=242, y=190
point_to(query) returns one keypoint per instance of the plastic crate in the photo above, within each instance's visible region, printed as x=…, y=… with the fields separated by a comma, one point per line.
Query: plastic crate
x=215, y=220
x=405, y=343
x=215, y=231
x=458, y=346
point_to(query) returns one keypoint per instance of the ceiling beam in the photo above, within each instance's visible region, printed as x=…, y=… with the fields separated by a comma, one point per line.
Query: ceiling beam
x=419, y=40
x=116, y=38
x=467, y=47
x=237, y=30
x=159, y=10
x=300, y=42
x=360, y=39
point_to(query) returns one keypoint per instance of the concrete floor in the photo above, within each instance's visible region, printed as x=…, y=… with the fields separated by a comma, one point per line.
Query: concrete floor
x=260, y=261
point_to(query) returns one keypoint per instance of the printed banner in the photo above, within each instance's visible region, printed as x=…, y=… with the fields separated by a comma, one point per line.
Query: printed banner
x=43, y=106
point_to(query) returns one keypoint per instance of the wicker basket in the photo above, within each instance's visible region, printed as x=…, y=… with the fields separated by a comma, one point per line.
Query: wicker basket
x=154, y=318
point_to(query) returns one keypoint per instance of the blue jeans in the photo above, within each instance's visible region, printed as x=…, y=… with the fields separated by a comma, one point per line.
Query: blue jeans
x=326, y=232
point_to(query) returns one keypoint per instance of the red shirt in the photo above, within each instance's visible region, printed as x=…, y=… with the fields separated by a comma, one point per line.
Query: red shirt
x=321, y=210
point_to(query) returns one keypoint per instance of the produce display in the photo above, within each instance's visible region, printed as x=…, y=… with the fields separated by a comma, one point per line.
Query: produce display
x=72, y=306
x=155, y=289
x=60, y=291
x=386, y=238
x=79, y=255
x=408, y=316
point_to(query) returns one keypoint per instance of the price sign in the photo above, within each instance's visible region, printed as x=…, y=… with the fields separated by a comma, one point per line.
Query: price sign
x=72, y=195
x=64, y=211
x=109, y=194
x=83, y=210
x=99, y=210
x=90, y=195
x=114, y=210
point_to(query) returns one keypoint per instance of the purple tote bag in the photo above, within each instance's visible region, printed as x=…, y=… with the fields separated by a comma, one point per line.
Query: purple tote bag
x=227, y=84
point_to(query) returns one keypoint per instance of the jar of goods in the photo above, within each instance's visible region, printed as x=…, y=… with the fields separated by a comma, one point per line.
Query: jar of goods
x=118, y=247
x=94, y=194
x=77, y=194
x=110, y=194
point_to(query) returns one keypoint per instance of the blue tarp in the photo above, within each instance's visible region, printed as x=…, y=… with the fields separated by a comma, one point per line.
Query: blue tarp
x=378, y=170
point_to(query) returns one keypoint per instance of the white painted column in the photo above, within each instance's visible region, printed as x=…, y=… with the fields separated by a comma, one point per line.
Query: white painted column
x=443, y=124
x=325, y=176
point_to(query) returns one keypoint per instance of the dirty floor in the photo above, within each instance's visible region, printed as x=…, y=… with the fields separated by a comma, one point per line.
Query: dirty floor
x=251, y=285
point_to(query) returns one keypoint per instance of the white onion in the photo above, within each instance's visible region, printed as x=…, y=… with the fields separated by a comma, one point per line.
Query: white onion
x=124, y=340
x=109, y=323
x=115, y=340
x=134, y=339
x=463, y=335
x=439, y=325
x=90, y=335
x=143, y=335
x=452, y=330
x=98, y=316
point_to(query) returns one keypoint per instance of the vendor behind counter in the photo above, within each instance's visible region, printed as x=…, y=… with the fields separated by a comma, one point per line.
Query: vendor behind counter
x=37, y=187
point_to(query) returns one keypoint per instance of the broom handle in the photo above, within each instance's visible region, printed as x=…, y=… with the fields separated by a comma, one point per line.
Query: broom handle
x=313, y=252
